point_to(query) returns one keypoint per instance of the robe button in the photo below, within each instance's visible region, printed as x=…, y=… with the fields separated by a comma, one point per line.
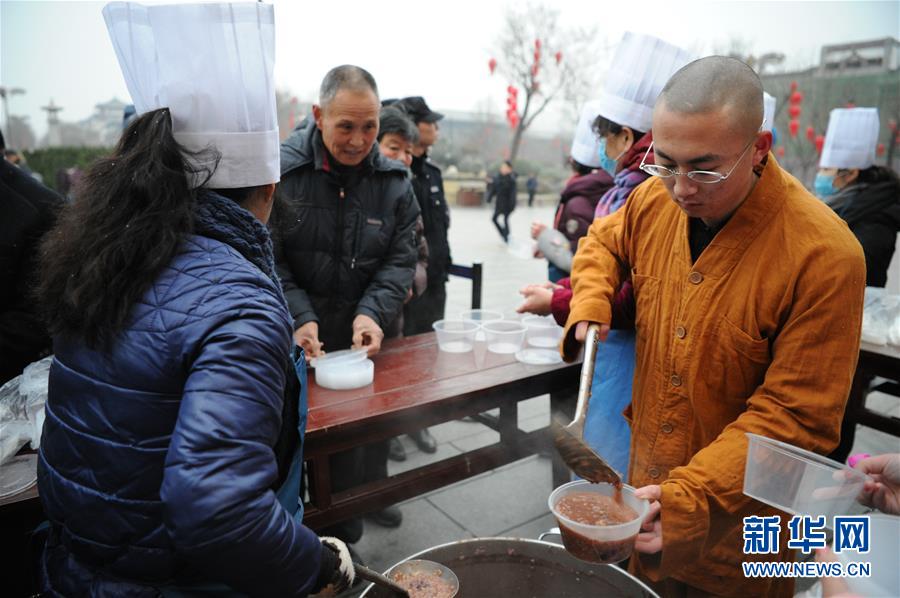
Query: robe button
x=680, y=332
x=695, y=278
x=667, y=428
x=653, y=473
x=675, y=380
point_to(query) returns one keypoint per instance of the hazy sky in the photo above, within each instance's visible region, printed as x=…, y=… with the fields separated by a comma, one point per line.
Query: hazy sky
x=440, y=50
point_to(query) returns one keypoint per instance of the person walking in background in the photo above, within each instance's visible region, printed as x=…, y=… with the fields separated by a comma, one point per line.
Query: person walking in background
x=503, y=187
x=531, y=185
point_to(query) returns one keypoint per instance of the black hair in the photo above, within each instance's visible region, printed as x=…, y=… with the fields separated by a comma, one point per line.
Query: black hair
x=602, y=127
x=394, y=120
x=580, y=168
x=346, y=76
x=878, y=174
x=131, y=212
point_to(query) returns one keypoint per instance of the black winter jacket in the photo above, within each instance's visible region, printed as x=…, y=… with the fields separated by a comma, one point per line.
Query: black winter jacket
x=428, y=185
x=346, y=240
x=872, y=211
x=28, y=211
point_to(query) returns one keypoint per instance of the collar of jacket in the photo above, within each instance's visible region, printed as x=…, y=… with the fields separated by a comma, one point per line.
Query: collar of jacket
x=744, y=225
x=220, y=218
x=304, y=146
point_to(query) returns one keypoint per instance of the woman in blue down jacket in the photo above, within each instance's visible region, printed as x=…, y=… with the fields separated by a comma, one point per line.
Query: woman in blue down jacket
x=169, y=461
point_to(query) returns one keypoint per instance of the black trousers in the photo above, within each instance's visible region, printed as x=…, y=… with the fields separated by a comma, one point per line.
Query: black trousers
x=504, y=229
x=424, y=310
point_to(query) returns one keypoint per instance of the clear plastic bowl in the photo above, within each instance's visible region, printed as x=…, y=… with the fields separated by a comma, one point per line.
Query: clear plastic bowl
x=605, y=544
x=504, y=336
x=798, y=481
x=481, y=315
x=543, y=331
x=456, y=336
x=344, y=375
x=883, y=547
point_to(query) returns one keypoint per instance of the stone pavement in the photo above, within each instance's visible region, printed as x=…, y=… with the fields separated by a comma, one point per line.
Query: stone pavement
x=511, y=500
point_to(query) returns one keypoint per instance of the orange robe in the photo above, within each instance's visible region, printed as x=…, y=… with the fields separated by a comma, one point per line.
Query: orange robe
x=760, y=335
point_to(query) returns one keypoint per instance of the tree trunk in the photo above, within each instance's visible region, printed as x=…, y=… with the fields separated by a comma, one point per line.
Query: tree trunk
x=516, y=141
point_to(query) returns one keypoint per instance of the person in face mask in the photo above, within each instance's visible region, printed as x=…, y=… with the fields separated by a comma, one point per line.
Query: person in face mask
x=577, y=202
x=865, y=195
x=622, y=128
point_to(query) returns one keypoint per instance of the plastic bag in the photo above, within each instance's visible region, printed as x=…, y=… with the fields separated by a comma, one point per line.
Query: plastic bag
x=881, y=317
x=22, y=408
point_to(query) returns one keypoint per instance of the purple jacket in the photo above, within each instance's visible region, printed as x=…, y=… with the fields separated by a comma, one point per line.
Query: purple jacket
x=578, y=202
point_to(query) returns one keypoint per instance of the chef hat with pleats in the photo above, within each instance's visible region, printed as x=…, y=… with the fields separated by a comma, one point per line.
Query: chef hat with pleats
x=586, y=143
x=212, y=66
x=768, y=111
x=638, y=72
x=851, y=138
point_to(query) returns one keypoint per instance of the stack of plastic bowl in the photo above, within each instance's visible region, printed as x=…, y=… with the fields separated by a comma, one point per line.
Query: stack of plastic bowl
x=605, y=544
x=343, y=370
x=798, y=481
x=504, y=336
x=456, y=336
x=481, y=316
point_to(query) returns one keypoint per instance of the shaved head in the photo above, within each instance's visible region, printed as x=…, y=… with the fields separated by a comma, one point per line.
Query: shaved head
x=713, y=84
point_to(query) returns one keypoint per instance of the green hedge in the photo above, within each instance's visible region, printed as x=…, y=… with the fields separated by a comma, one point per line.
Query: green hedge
x=49, y=161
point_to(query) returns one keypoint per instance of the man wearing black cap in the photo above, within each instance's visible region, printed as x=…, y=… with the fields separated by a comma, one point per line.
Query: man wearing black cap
x=422, y=311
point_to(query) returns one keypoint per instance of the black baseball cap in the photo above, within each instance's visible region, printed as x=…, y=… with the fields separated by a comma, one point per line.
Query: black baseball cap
x=418, y=110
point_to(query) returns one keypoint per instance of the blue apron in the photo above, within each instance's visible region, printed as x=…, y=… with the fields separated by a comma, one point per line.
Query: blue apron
x=605, y=428
x=289, y=494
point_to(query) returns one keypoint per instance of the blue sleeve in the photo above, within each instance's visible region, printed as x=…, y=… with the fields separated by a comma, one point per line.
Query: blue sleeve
x=219, y=507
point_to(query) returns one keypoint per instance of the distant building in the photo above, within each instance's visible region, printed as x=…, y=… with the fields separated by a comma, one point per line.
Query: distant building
x=861, y=74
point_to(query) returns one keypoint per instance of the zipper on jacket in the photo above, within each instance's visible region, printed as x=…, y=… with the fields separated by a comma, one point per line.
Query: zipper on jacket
x=339, y=239
x=356, y=234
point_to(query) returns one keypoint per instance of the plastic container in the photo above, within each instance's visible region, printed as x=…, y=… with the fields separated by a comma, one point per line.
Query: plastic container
x=504, y=336
x=481, y=316
x=798, y=481
x=347, y=356
x=882, y=555
x=543, y=331
x=604, y=544
x=456, y=336
x=533, y=356
x=344, y=374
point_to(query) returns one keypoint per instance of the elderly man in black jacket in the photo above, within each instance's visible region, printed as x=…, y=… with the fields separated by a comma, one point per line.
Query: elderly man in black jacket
x=346, y=246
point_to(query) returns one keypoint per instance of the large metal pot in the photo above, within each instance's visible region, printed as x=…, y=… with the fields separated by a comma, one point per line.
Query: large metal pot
x=525, y=569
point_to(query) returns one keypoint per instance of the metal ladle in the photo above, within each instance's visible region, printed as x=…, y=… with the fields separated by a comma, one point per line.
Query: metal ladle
x=569, y=440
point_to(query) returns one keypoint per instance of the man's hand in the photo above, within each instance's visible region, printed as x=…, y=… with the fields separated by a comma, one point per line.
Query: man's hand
x=368, y=334
x=538, y=298
x=649, y=540
x=307, y=338
x=581, y=331
x=536, y=229
x=882, y=492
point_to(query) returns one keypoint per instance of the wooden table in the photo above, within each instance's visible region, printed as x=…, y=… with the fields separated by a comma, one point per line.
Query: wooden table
x=416, y=386
x=882, y=361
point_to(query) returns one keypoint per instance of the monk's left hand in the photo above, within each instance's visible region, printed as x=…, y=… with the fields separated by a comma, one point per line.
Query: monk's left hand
x=649, y=540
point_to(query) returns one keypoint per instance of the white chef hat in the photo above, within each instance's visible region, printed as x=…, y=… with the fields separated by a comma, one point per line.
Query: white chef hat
x=851, y=138
x=768, y=111
x=212, y=66
x=586, y=143
x=638, y=72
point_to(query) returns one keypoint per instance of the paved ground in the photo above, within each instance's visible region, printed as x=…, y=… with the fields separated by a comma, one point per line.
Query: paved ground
x=512, y=500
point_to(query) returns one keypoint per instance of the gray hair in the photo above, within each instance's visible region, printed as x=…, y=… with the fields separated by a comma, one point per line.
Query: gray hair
x=346, y=76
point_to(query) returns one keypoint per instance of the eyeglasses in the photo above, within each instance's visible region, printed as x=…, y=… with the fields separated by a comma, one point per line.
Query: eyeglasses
x=707, y=177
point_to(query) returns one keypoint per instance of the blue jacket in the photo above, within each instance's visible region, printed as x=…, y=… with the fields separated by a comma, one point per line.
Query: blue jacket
x=156, y=463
